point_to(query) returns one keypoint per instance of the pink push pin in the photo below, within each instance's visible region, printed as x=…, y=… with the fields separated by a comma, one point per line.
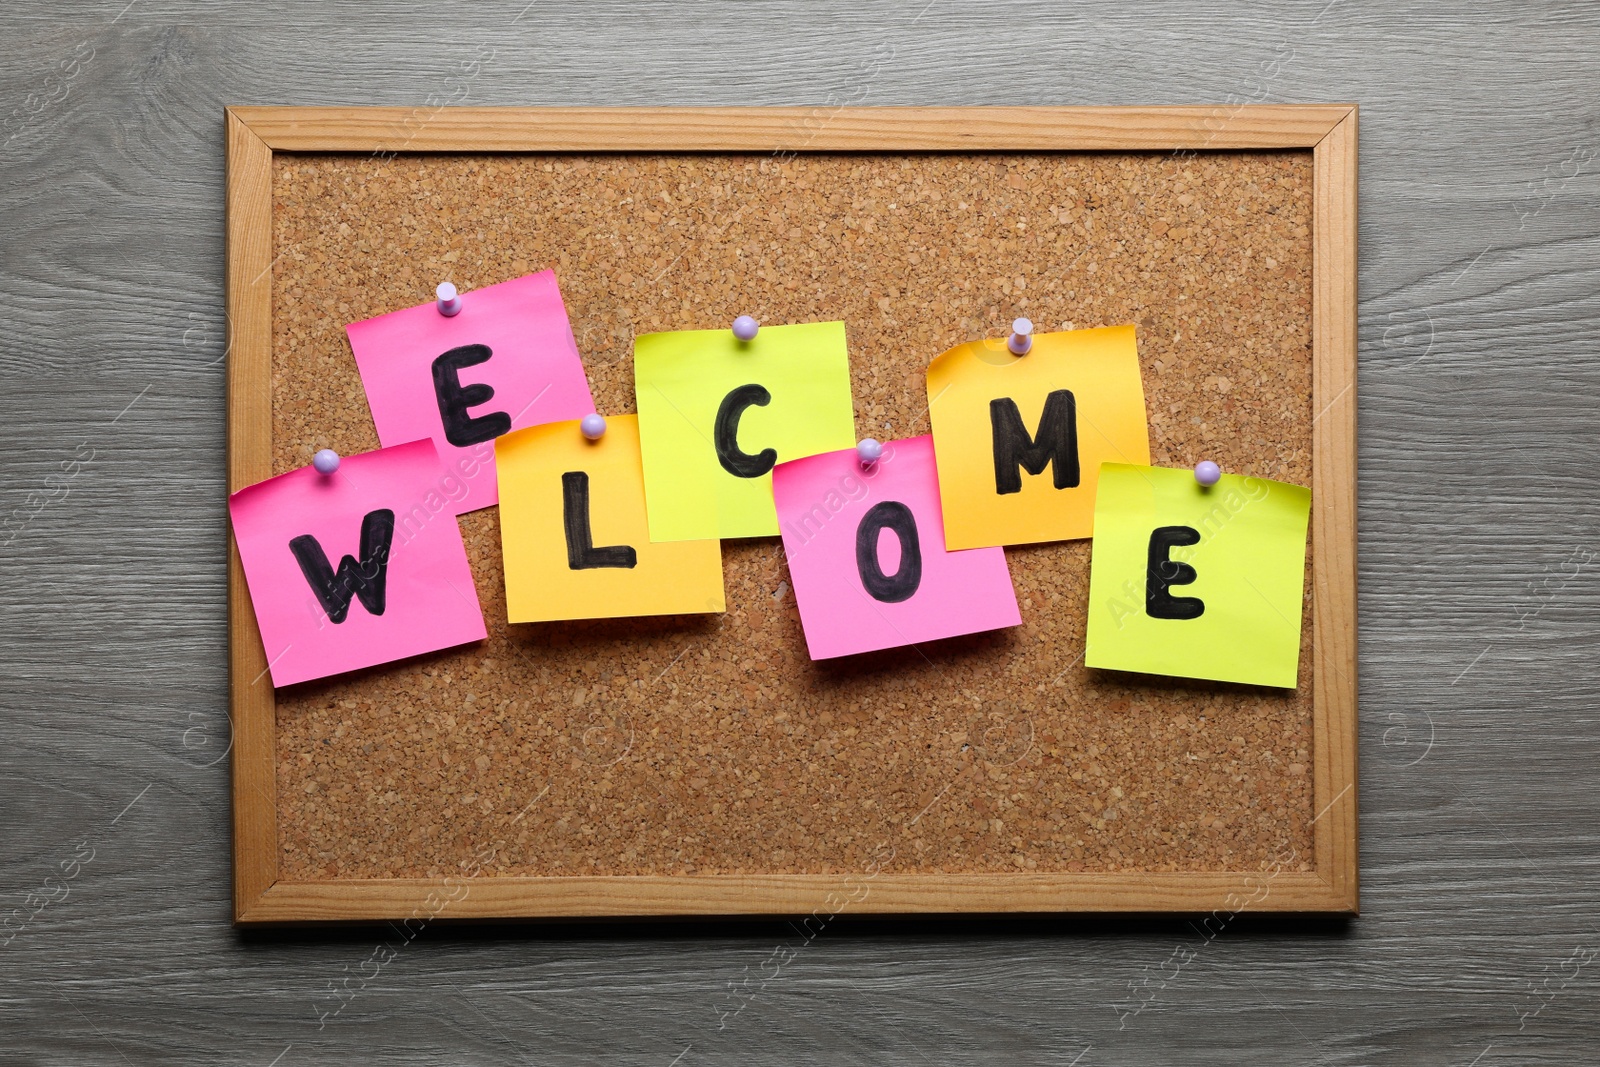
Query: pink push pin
x=1021, y=339
x=326, y=461
x=744, y=328
x=593, y=426
x=869, y=451
x=1207, y=473
x=449, y=299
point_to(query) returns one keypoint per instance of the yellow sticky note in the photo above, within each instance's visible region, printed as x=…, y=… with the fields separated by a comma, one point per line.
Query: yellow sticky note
x=574, y=536
x=1020, y=439
x=717, y=413
x=1197, y=582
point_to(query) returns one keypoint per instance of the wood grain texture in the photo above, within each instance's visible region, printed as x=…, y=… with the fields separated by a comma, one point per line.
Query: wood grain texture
x=1479, y=303
x=249, y=362
x=1333, y=528
x=794, y=895
x=475, y=129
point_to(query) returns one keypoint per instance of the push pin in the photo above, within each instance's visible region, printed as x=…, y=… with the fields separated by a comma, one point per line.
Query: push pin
x=593, y=426
x=449, y=300
x=1021, y=339
x=1207, y=473
x=869, y=451
x=744, y=328
x=326, y=461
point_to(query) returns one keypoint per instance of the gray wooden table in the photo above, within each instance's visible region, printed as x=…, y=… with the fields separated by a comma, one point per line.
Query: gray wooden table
x=1480, y=733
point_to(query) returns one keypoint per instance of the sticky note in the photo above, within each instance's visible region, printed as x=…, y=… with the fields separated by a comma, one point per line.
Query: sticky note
x=359, y=567
x=1020, y=439
x=716, y=414
x=1197, y=582
x=505, y=361
x=574, y=534
x=866, y=554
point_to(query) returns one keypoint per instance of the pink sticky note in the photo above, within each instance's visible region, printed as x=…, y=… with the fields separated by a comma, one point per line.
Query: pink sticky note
x=359, y=567
x=506, y=361
x=867, y=557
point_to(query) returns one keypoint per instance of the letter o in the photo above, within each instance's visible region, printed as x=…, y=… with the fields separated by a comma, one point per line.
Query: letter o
x=903, y=583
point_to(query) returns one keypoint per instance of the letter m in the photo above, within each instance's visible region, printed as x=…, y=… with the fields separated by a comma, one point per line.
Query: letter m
x=1054, y=445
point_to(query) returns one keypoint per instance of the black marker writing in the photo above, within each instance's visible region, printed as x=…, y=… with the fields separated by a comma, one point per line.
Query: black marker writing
x=903, y=583
x=366, y=579
x=1164, y=572
x=725, y=434
x=581, y=553
x=1055, y=444
x=460, y=428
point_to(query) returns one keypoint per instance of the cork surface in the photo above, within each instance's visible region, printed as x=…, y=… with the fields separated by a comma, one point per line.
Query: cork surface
x=713, y=745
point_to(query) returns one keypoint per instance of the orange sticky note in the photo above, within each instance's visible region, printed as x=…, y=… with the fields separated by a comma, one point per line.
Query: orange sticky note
x=573, y=532
x=1020, y=439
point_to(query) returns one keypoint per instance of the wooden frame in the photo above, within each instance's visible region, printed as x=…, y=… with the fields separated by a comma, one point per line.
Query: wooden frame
x=255, y=133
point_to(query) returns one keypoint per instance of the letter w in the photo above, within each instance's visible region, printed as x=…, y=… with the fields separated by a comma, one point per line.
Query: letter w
x=367, y=579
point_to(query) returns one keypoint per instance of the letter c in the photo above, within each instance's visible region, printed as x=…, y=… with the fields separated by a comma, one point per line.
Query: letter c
x=725, y=434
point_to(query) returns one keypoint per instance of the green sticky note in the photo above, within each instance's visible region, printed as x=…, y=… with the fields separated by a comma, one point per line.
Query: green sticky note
x=717, y=413
x=1197, y=582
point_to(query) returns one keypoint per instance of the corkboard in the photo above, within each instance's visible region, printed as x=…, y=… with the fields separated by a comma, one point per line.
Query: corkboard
x=704, y=746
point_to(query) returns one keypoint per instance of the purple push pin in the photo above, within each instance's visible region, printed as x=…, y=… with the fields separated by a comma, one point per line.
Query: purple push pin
x=326, y=461
x=1207, y=473
x=593, y=426
x=449, y=299
x=744, y=328
x=1021, y=339
x=869, y=451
